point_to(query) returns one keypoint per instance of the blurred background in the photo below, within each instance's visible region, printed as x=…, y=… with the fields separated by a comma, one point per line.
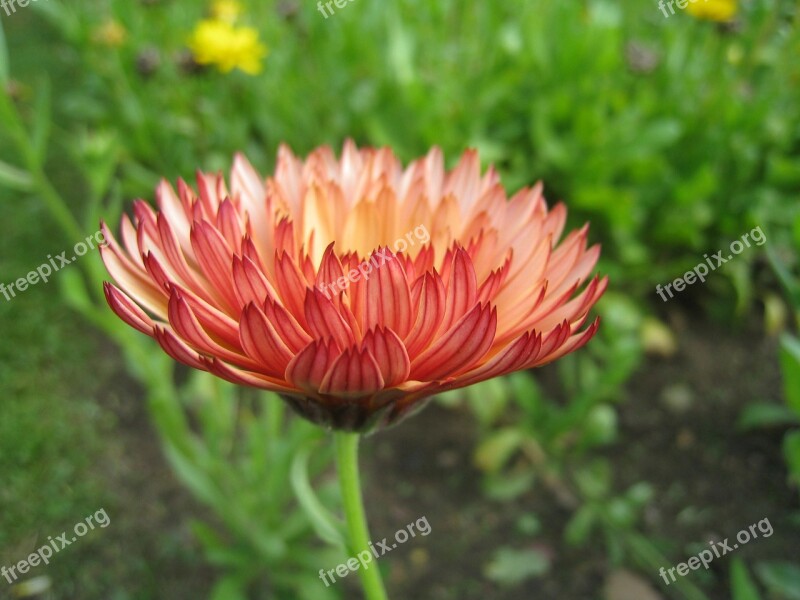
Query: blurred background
x=673, y=127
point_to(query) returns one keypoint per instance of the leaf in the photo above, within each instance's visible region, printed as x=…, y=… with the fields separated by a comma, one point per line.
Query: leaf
x=580, y=526
x=756, y=416
x=74, y=292
x=594, y=479
x=4, y=64
x=600, y=427
x=785, y=277
x=193, y=476
x=497, y=449
x=488, y=400
x=790, y=368
x=14, y=178
x=791, y=451
x=327, y=527
x=781, y=578
x=41, y=121
x=742, y=585
x=229, y=588
x=511, y=567
x=507, y=486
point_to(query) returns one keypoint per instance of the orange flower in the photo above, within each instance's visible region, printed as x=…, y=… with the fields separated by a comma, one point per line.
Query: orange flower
x=290, y=284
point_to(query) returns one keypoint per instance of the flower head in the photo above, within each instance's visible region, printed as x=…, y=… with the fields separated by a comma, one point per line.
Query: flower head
x=713, y=10
x=226, y=10
x=228, y=46
x=354, y=287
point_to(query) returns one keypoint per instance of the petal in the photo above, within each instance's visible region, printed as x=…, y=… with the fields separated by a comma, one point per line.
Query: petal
x=430, y=308
x=307, y=370
x=249, y=283
x=286, y=326
x=388, y=300
x=215, y=259
x=390, y=355
x=127, y=310
x=178, y=349
x=460, y=348
x=291, y=287
x=262, y=343
x=187, y=326
x=243, y=377
x=354, y=374
x=462, y=288
x=324, y=321
x=566, y=346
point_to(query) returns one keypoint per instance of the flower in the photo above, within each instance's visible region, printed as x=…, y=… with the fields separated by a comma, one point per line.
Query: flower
x=226, y=10
x=221, y=43
x=237, y=279
x=713, y=10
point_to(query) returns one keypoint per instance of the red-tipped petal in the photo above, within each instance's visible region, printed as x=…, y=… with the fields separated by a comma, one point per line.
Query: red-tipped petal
x=262, y=343
x=127, y=310
x=390, y=355
x=354, y=374
x=308, y=368
x=460, y=348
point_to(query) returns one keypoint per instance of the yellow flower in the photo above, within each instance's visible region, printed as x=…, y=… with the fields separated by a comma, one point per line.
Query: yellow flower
x=110, y=33
x=226, y=10
x=220, y=43
x=713, y=10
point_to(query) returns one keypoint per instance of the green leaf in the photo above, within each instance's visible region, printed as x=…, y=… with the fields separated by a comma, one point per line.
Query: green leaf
x=309, y=587
x=594, y=479
x=755, y=416
x=580, y=525
x=742, y=585
x=787, y=280
x=5, y=72
x=510, y=567
x=41, y=121
x=790, y=368
x=14, y=178
x=488, y=400
x=193, y=476
x=497, y=449
x=74, y=292
x=507, y=486
x=781, y=578
x=600, y=427
x=791, y=451
x=229, y=588
x=324, y=523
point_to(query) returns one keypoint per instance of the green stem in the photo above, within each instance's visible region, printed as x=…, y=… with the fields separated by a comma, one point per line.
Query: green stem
x=357, y=529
